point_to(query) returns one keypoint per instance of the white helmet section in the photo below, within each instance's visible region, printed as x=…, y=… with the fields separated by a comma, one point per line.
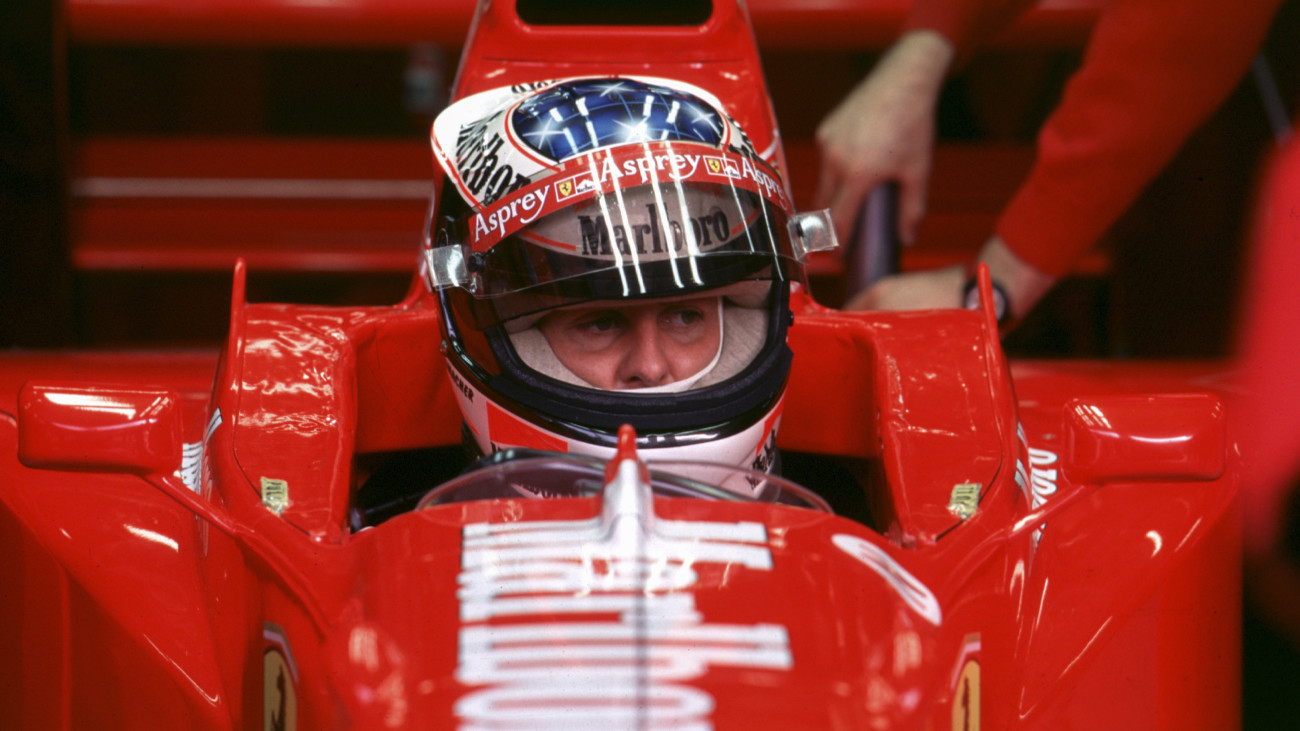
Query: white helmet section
x=495, y=429
x=496, y=141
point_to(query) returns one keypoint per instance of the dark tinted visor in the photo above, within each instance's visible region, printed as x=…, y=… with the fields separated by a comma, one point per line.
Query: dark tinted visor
x=658, y=240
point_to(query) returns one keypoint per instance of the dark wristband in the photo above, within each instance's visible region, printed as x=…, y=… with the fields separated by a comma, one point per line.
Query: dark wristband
x=970, y=297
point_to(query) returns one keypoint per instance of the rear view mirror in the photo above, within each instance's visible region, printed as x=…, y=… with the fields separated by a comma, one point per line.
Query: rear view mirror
x=1139, y=438
x=91, y=427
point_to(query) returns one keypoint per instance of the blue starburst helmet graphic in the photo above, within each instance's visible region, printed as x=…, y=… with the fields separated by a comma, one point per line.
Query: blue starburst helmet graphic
x=610, y=193
x=578, y=116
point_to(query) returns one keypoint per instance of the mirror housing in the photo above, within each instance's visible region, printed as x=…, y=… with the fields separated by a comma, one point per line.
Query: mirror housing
x=1160, y=437
x=94, y=427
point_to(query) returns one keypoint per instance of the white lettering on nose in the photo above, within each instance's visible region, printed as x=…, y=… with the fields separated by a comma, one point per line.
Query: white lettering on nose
x=563, y=629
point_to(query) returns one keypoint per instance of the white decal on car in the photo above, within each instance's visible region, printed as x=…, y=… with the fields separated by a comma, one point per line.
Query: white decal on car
x=1042, y=481
x=537, y=670
x=910, y=589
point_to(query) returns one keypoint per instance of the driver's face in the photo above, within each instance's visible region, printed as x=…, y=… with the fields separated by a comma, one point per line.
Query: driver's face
x=616, y=345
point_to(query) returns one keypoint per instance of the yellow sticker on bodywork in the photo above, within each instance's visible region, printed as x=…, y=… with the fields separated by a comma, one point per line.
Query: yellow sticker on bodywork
x=275, y=494
x=964, y=500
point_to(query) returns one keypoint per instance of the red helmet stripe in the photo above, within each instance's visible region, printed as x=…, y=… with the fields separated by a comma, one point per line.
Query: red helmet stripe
x=507, y=430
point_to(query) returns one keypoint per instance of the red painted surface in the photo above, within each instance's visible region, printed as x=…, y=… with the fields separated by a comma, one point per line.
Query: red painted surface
x=1126, y=439
x=193, y=204
x=778, y=23
x=128, y=429
x=178, y=606
x=196, y=204
x=1085, y=597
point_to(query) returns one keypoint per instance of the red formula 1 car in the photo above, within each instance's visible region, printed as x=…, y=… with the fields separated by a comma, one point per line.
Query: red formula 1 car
x=291, y=535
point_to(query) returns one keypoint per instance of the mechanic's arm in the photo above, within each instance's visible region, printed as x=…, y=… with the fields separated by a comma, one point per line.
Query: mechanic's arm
x=1153, y=71
x=884, y=130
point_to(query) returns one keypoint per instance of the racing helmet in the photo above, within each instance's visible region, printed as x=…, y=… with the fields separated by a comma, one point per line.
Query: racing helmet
x=619, y=191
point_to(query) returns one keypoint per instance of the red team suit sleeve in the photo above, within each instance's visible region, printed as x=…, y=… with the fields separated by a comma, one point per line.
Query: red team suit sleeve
x=968, y=24
x=1153, y=71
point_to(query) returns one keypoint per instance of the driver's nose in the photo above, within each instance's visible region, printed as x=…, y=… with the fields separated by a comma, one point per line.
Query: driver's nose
x=645, y=363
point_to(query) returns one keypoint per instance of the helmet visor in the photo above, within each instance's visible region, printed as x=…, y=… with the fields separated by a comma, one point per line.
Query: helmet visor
x=687, y=220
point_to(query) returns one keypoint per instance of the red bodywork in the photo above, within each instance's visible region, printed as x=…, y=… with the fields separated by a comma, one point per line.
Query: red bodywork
x=1050, y=544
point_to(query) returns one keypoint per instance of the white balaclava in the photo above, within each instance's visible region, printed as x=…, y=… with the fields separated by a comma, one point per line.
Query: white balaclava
x=743, y=321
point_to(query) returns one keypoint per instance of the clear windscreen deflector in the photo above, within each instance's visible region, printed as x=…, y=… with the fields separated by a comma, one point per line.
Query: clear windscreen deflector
x=571, y=476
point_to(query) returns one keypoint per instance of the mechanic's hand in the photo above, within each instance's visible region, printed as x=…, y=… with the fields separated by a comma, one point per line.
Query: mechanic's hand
x=923, y=290
x=1023, y=283
x=884, y=130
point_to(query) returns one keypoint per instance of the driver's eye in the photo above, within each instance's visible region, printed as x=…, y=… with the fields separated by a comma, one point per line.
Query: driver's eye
x=597, y=331
x=602, y=323
x=683, y=317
